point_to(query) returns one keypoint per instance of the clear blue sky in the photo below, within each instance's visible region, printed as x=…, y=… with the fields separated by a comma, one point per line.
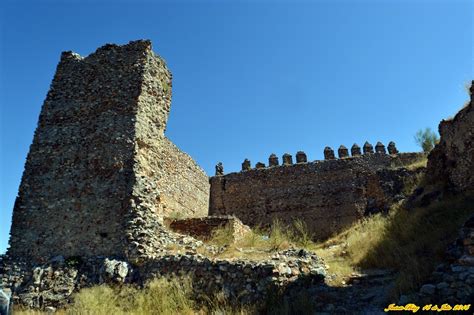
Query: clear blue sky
x=251, y=78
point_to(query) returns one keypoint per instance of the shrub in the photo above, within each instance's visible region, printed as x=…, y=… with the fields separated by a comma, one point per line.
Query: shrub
x=426, y=139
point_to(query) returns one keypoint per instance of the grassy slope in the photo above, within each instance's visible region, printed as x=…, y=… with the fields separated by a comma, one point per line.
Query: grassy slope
x=411, y=242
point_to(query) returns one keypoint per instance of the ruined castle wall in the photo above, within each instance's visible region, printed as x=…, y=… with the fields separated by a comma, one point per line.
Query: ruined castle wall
x=85, y=190
x=72, y=197
x=183, y=186
x=452, y=159
x=327, y=195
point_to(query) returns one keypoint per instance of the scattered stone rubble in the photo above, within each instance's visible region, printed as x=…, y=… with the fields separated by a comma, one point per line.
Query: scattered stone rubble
x=453, y=281
x=53, y=284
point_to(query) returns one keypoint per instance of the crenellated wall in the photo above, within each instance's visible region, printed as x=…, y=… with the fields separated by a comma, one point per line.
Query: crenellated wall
x=328, y=195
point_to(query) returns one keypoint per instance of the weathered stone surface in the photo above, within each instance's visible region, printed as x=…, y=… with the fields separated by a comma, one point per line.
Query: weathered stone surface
x=287, y=159
x=260, y=165
x=301, y=157
x=204, y=228
x=355, y=150
x=368, y=148
x=329, y=153
x=219, y=169
x=392, y=149
x=100, y=162
x=452, y=159
x=246, y=166
x=273, y=160
x=380, y=148
x=243, y=281
x=343, y=152
x=328, y=195
x=114, y=270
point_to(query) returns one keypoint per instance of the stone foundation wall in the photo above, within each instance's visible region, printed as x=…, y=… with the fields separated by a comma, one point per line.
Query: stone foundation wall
x=53, y=284
x=204, y=228
x=327, y=195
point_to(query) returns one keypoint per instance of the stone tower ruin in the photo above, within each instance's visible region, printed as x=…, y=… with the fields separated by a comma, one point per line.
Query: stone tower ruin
x=100, y=172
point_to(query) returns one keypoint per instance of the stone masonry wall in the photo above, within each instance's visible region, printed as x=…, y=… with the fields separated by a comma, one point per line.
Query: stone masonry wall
x=88, y=184
x=183, y=185
x=205, y=227
x=452, y=160
x=327, y=195
x=53, y=283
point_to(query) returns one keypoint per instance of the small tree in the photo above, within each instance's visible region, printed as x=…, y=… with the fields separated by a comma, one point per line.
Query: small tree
x=426, y=139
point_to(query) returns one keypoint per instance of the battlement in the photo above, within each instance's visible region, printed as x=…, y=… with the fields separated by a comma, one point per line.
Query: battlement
x=343, y=153
x=328, y=195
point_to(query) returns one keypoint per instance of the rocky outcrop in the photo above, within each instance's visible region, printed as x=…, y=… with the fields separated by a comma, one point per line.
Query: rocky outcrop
x=451, y=162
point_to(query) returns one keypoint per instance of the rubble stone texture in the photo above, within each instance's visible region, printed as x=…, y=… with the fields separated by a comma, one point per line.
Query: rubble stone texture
x=452, y=159
x=246, y=166
x=53, y=283
x=392, y=149
x=301, y=157
x=273, y=160
x=355, y=150
x=380, y=148
x=328, y=195
x=343, y=152
x=100, y=171
x=329, y=153
x=219, y=169
x=368, y=148
x=287, y=159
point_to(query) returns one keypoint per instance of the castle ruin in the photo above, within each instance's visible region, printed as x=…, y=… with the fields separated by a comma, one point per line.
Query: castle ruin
x=327, y=196
x=101, y=177
x=100, y=163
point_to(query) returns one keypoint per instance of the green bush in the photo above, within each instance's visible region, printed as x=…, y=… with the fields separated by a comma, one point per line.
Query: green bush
x=426, y=139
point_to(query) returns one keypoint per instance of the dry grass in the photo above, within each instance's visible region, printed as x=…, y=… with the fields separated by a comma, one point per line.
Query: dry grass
x=160, y=296
x=418, y=164
x=223, y=236
x=21, y=311
x=262, y=243
x=415, y=240
x=411, y=242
